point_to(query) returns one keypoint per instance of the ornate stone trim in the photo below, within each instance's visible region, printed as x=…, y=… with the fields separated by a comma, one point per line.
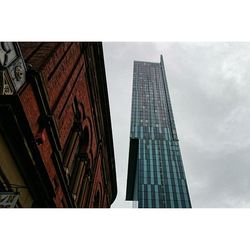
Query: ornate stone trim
x=12, y=68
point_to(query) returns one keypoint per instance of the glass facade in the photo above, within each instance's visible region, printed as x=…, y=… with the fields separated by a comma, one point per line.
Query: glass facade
x=160, y=180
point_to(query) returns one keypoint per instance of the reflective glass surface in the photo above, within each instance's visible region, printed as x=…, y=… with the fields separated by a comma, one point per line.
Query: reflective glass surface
x=160, y=179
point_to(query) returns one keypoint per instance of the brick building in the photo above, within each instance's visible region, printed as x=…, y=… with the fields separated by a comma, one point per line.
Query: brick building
x=56, y=146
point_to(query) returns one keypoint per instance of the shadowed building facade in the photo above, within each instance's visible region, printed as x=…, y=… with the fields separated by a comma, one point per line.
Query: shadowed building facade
x=56, y=146
x=156, y=177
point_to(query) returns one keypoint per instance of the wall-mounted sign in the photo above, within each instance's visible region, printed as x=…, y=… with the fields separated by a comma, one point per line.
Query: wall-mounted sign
x=8, y=199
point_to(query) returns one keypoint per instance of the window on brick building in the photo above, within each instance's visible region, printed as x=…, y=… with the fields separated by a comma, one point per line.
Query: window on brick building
x=81, y=172
x=97, y=200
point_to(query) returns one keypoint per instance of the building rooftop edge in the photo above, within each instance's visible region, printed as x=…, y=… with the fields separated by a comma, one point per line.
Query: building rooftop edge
x=161, y=61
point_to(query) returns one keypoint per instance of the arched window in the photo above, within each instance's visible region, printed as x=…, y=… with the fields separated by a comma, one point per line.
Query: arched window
x=82, y=172
x=85, y=139
x=73, y=137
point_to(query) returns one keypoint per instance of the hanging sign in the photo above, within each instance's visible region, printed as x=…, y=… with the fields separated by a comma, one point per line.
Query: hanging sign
x=8, y=199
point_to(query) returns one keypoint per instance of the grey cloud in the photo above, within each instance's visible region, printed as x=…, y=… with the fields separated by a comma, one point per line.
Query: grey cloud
x=209, y=89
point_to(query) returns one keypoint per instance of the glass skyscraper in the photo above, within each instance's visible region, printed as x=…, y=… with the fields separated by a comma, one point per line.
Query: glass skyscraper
x=156, y=177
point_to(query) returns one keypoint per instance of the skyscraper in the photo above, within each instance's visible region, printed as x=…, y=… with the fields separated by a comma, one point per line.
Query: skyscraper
x=156, y=177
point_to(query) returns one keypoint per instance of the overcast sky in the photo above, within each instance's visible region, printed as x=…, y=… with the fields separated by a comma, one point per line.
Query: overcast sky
x=209, y=89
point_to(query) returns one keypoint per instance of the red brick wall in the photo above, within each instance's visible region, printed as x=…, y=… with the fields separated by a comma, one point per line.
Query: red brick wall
x=99, y=184
x=62, y=69
x=31, y=107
